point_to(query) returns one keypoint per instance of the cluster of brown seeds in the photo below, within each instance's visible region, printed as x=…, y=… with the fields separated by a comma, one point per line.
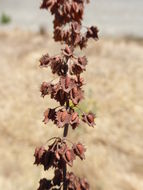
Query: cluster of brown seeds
x=72, y=182
x=58, y=153
x=66, y=63
x=56, y=156
x=67, y=91
x=69, y=12
x=62, y=117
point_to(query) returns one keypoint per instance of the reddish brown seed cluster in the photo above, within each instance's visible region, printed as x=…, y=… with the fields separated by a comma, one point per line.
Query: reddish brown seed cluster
x=63, y=116
x=58, y=153
x=72, y=182
x=70, y=12
x=67, y=91
x=66, y=63
x=56, y=156
x=75, y=183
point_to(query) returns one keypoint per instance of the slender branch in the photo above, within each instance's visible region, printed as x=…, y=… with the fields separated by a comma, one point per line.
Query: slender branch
x=65, y=131
x=65, y=166
x=64, y=177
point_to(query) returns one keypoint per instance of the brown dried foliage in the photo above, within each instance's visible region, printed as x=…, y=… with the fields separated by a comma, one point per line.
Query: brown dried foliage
x=68, y=91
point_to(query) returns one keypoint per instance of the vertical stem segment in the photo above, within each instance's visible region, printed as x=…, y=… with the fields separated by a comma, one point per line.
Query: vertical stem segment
x=66, y=126
x=64, y=177
x=65, y=131
x=65, y=166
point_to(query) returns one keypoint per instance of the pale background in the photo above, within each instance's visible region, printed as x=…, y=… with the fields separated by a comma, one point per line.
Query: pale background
x=114, y=17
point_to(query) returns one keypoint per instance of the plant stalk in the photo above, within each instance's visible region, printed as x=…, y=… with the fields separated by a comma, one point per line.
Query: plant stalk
x=65, y=133
x=65, y=166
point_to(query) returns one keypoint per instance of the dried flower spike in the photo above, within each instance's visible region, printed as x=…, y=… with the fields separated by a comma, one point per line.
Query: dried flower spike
x=67, y=91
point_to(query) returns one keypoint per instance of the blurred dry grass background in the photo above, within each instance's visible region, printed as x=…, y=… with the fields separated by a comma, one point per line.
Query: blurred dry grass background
x=114, y=160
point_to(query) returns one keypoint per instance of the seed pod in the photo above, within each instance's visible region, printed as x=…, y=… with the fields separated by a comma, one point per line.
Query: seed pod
x=67, y=83
x=46, y=89
x=39, y=153
x=67, y=51
x=45, y=60
x=76, y=95
x=89, y=119
x=69, y=157
x=74, y=121
x=92, y=32
x=62, y=118
x=49, y=114
x=79, y=150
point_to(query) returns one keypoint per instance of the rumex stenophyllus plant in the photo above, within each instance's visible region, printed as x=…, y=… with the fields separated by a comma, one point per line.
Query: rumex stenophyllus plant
x=60, y=151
